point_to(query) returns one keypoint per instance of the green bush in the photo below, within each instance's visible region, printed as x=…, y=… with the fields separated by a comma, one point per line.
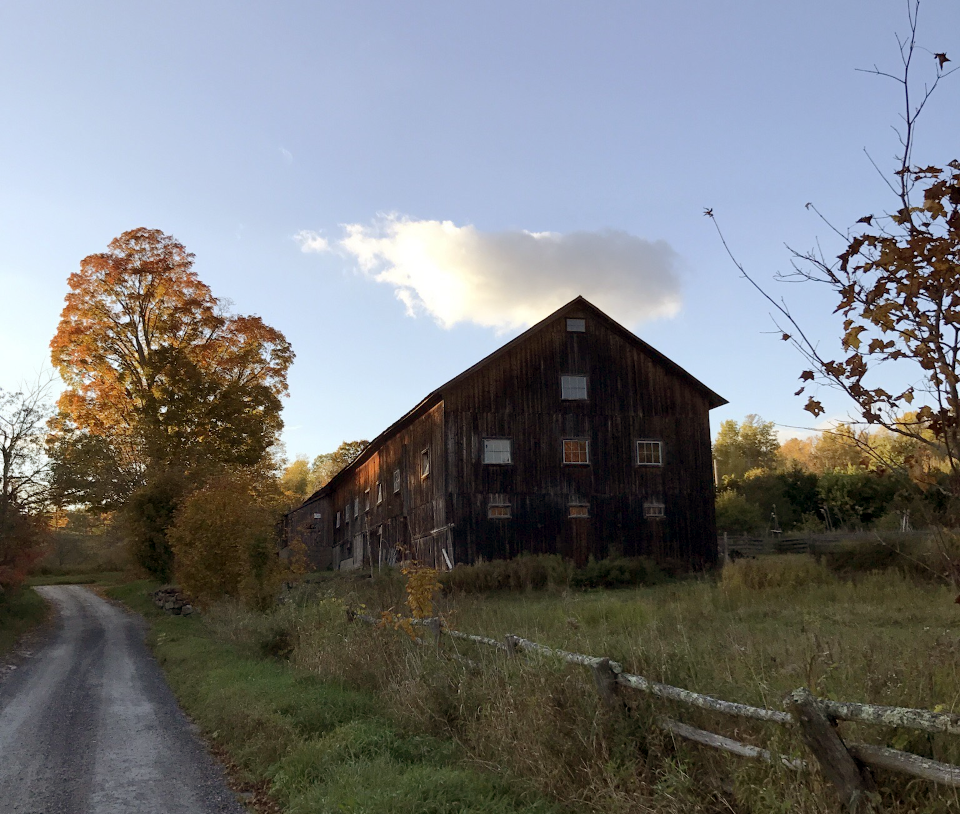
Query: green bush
x=735, y=514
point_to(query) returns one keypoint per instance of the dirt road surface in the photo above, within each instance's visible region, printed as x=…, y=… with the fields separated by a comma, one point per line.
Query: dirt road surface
x=89, y=726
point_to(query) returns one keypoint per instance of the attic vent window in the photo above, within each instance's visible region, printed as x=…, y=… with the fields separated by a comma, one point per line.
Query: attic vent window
x=573, y=388
x=425, y=463
x=366, y=500
x=396, y=480
x=356, y=507
x=576, y=325
x=497, y=451
x=379, y=492
x=579, y=510
x=338, y=519
x=649, y=453
x=499, y=511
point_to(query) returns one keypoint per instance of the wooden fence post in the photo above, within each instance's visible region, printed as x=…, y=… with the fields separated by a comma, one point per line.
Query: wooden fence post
x=852, y=781
x=511, y=642
x=606, y=679
x=434, y=625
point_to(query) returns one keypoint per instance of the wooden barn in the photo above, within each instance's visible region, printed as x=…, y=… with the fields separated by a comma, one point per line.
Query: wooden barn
x=576, y=438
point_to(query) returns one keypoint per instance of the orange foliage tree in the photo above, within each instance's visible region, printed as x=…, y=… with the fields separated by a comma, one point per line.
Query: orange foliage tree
x=157, y=372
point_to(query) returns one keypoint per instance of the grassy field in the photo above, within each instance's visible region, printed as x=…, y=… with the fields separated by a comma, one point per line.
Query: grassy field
x=753, y=636
x=19, y=612
x=315, y=744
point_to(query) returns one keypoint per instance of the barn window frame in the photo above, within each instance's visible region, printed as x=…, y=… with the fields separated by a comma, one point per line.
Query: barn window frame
x=379, y=492
x=578, y=459
x=499, y=511
x=654, y=509
x=356, y=506
x=574, y=387
x=494, y=456
x=425, y=463
x=366, y=500
x=647, y=445
x=338, y=520
x=576, y=325
x=396, y=480
x=578, y=510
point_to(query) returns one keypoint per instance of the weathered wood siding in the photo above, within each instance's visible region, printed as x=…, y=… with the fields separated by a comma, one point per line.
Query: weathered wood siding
x=413, y=518
x=631, y=396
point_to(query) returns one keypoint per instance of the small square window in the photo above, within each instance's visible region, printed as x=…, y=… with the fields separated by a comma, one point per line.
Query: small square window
x=379, y=492
x=576, y=451
x=356, y=507
x=338, y=519
x=396, y=480
x=499, y=511
x=576, y=325
x=366, y=500
x=425, y=463
x=497, y=451
x=573, y=388
x=579, y=510
x=649, y=453
x=653, y=509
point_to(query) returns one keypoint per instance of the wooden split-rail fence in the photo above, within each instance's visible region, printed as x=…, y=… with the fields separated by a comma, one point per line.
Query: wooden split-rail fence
x=845, y=765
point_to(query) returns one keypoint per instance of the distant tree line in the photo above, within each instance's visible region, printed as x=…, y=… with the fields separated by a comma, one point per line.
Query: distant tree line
x=842, y=478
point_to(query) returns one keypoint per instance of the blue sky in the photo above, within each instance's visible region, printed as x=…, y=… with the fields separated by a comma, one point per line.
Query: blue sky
x=400, y=187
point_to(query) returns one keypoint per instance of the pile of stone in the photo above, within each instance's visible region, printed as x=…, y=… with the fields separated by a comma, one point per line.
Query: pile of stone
x=172, y=601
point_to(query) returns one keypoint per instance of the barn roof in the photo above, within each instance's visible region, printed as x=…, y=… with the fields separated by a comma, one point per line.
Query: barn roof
x=434, y=398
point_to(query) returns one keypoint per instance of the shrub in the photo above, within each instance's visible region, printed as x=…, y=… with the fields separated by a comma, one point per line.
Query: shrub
x=21, y=539
x=533, y=572
x=780, y=571
x=146, y=518
x=735, y=514
x=223, y=542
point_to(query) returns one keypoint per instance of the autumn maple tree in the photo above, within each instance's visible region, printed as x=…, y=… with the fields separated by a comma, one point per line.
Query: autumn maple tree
x=157, y=372
x=896, y=284
x=163, y=385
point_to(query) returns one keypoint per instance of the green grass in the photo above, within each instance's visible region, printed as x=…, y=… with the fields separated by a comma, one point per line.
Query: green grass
x=322, y=745
x=20, y=611
x=767, y=627
x=83, y=578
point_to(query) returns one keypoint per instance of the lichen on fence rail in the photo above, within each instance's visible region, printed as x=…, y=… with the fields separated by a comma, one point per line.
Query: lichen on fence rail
x=923, y=719
x=703, y=701
x=896, y=761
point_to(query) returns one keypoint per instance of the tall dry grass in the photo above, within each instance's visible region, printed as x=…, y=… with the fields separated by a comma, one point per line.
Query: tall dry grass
x=765, y=628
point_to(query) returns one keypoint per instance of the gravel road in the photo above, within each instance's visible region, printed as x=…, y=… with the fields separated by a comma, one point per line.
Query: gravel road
x=88, y=724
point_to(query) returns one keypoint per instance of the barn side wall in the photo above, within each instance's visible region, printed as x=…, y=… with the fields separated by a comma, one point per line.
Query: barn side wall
x=412, y=518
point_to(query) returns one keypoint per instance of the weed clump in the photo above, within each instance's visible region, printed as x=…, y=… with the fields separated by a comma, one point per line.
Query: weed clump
x=537, y=572
x=780, y=571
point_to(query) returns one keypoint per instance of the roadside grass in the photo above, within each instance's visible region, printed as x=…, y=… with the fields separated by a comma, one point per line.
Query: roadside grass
x=104, y=578
x=760, y=630
x=20, y=610
x=321, y=745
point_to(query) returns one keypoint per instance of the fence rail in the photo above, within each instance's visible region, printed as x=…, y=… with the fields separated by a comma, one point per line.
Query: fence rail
x=845, y=765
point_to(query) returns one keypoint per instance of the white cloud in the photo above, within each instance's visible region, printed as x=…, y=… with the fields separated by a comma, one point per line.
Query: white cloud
x=286, y=155
x=311, y=241
x=506, y=280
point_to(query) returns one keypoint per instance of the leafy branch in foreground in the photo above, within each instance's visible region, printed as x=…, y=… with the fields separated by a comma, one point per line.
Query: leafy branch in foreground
x=897, y=287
